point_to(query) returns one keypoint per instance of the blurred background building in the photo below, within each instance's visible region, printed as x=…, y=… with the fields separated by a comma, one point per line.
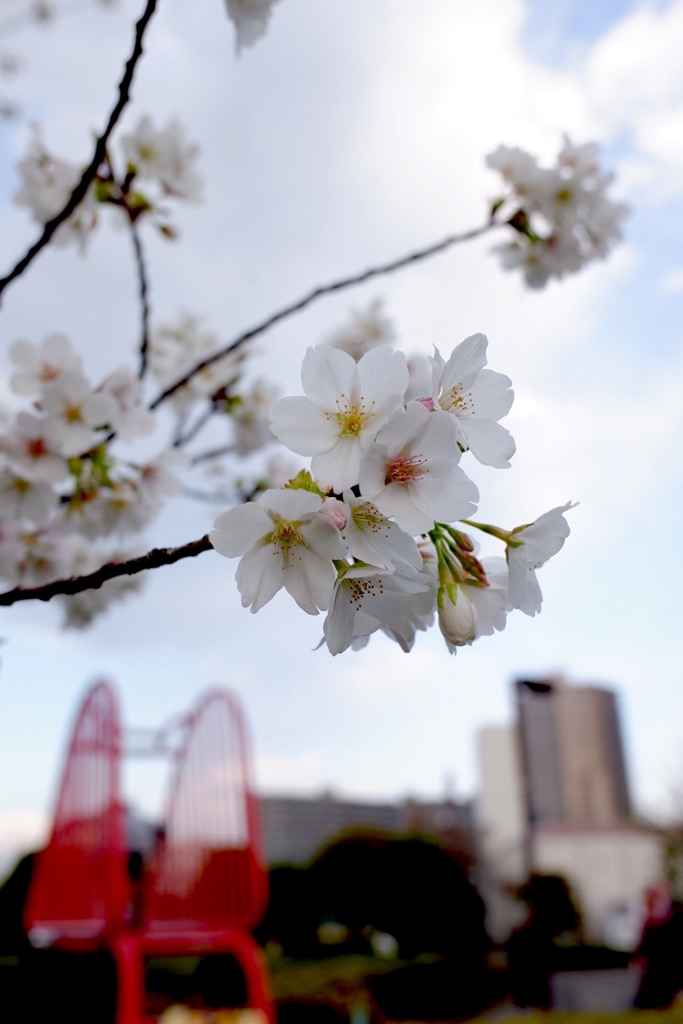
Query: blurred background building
x=295, y=828
x=554, y=799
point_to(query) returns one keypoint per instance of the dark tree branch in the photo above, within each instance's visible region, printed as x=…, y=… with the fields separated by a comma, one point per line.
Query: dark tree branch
x=77, y=584
x=143, y=292
x=317, y=293
x=89, y=173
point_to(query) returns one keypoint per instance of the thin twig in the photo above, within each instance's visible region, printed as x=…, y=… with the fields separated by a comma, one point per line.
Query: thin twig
x=143, y=292
x=198, y=424
x=212, y=497
x=317, y=293
x=212, y=453
x=77, y=584
x=89, y=173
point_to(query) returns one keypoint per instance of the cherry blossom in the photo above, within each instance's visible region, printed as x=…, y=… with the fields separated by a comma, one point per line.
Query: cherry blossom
x=165, y=156
x=75, y=411
x=25, y=499
x=40, y=365
x=477, y=398
x=561, y=215
x=367, y=329
x=33, y=451
x=366, y=598
x=474, y=608
x=128, y=419
x=529, y=547
x=284, y=541
x=176, y=347
x=250, y=418
x=47, y=184
x=373, y=538
x=346, y=403
x=250, y=18
x=412, y=472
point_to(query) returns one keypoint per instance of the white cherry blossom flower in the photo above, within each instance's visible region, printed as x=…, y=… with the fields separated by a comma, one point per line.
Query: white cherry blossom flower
x=284, y=541
x=412, y=472
x=11, y=549
x=477, y=610
x=250, y=18
x=47, y=184
x=158, y=478
x=43, y=557
x=346, y=403
x=117, y=510
x=477, y=398
x=251, y=417
x=25, y=499
x=373, y=538
x=75, y=411
x=166, y=156
x=529, y=548
x=42, y=364
x=367, y=329
x=179, y=176
x=34, y=452
x=128, y=419
x=175, y=348
x=366, y=598
x=561, y=215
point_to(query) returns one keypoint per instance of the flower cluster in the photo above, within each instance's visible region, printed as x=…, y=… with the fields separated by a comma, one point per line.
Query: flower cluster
x=163, y=160
x=384, y=471
x=561, y=215
x=66, y=496
x=60, y=486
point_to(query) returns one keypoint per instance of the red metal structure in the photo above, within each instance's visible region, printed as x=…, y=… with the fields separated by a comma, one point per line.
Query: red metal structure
x=206, y=883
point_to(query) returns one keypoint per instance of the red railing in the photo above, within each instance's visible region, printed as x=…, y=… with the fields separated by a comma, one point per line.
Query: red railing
x=205, y=884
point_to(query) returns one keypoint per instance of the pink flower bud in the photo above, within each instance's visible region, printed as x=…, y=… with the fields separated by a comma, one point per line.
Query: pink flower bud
x=336, y=511
x=428, y=403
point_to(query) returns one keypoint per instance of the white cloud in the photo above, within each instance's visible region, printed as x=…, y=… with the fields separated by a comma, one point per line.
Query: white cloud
x=672, y=282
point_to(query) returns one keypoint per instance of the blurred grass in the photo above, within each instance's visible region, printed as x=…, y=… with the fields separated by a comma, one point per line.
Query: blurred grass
x=338, y=981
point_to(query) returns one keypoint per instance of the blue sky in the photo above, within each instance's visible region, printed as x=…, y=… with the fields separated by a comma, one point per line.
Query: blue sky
x=353, y=133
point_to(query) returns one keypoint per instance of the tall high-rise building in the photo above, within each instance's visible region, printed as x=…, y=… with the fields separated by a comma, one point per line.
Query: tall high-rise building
x=571, y=754
x=555, y=799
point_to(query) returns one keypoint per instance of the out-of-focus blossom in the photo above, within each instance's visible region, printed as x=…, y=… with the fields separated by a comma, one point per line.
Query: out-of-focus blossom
x=561, y=215
x=39, y=365
x=250, y=18
x=165, y=156
x=368, y=328
x=46, y=187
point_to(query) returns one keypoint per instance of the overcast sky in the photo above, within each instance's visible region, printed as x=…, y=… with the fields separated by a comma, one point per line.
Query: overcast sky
x=352, y=133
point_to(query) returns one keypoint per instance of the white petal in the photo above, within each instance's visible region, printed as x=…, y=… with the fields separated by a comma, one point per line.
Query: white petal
x=302, y=426
x=490, y=443
x=259, y=576
x=338, y=468
x=236, y=530
x=492, y=395
x=384, y=379
x=466, y=361
x=327, y=373
x=451, y=497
